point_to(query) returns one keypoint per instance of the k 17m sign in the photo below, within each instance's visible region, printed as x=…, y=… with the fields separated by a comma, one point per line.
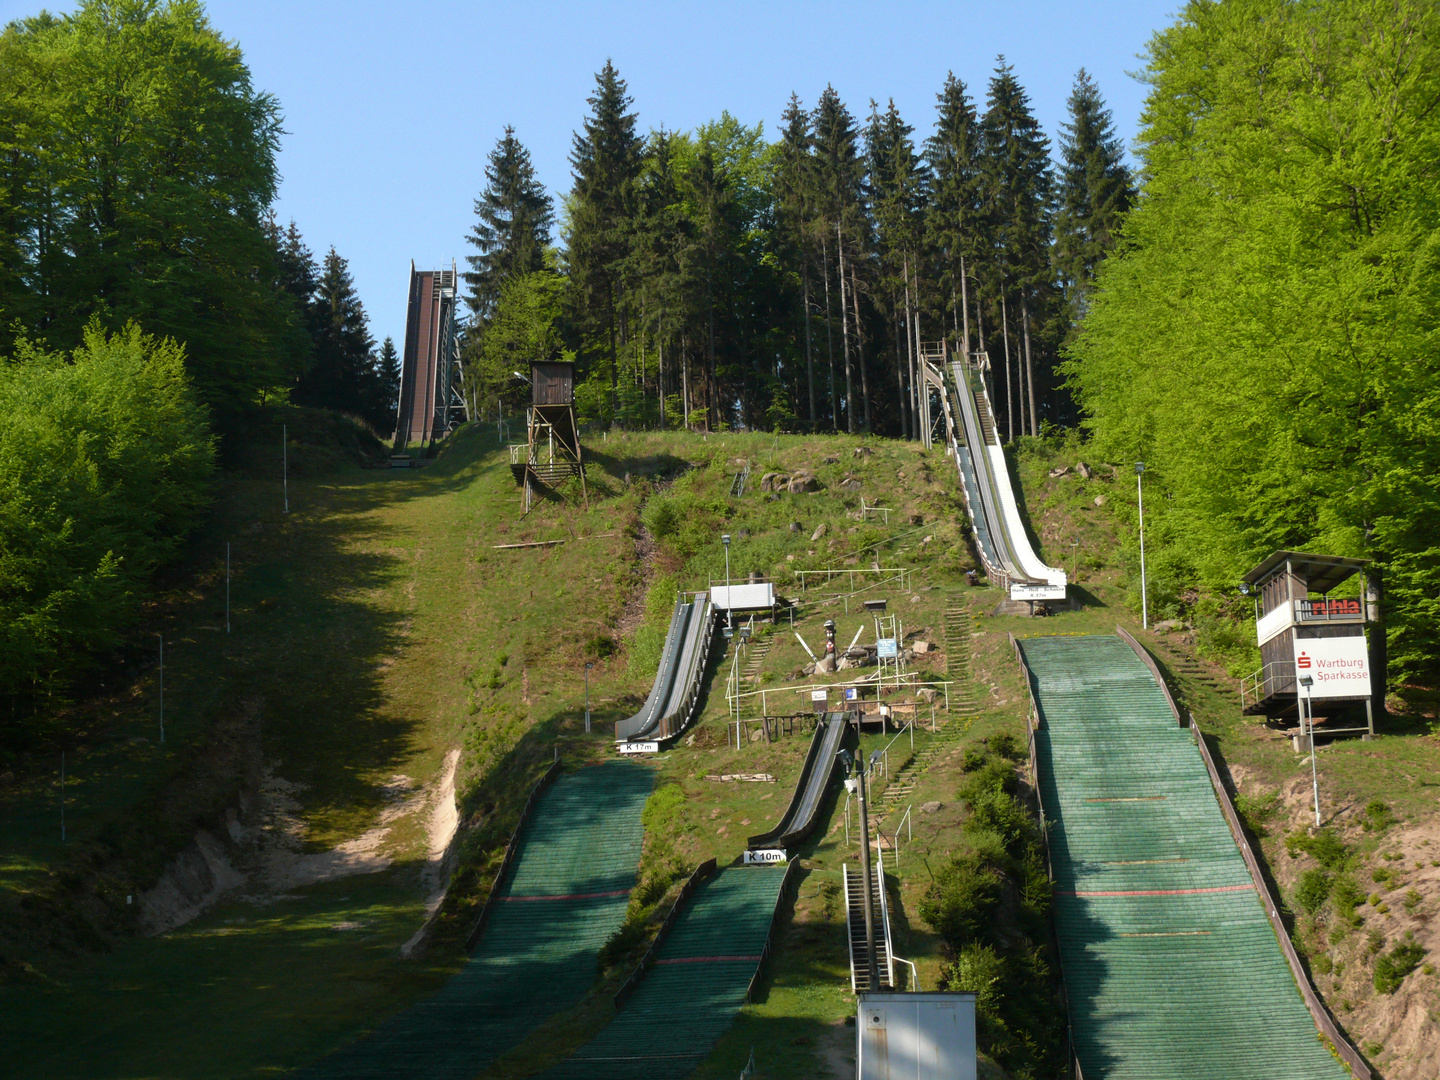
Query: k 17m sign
x=1340, y=666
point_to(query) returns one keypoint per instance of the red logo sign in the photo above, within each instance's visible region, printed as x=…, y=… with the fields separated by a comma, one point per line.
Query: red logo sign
x=1303, y=662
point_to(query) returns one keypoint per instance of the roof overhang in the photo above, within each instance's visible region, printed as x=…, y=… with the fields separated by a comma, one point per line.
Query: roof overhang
x=1321, y=572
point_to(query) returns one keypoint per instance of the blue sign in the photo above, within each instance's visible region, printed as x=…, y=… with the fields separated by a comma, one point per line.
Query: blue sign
x=887, y=648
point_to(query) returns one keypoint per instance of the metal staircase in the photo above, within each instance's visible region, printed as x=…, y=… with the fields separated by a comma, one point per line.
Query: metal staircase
x=855, y=927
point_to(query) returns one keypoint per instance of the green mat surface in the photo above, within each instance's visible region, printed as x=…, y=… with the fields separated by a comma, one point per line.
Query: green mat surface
x=696, y=986
x=1171, y=966
x=567, y=893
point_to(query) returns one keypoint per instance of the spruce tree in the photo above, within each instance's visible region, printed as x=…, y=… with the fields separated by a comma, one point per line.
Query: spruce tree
x=955, y=222
x=387, y=394
x=343, y=374
x=1016, y=192
x=793, y=189
x=838, y=174
x=514, y=216
x=1095, y=192
x=605, y=160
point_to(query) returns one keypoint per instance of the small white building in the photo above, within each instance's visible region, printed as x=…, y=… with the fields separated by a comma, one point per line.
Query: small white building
x=928, y=1035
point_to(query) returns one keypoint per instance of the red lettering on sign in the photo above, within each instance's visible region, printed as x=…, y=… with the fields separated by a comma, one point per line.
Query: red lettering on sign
x=1303, y=662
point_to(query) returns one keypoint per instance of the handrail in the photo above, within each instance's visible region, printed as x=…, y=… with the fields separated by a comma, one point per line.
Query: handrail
x=473, y=938
x=693, y=882
x=1323, y=1020
x=1149, y=662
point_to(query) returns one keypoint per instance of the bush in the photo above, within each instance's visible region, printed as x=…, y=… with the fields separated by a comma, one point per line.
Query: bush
x=961, y=900
x=1313, y=889
x=1391, y=969
x=1008, y=746
x=1346, y=897
x=1378, y=816
x=105, y=463
x=1324, y=847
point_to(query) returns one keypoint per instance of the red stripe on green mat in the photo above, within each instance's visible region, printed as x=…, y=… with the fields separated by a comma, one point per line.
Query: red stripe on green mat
x=570, y=896
x=1161, y=892
x=707, y=959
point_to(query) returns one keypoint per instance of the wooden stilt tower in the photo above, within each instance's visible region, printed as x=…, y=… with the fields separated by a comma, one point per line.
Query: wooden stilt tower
x=552, y=451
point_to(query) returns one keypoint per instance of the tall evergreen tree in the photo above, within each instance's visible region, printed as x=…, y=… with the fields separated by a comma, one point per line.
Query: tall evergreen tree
x=955, y=222
x=839, y=171
x=1095, y=192
x=896, y=188
x=793, y=186
x=1016, y=192
x=387, y=394
x=343, y=374
x=605, y=160
x=514, y=215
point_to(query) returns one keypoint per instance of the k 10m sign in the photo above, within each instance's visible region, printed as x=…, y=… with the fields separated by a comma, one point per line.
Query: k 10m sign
x=1340, y=666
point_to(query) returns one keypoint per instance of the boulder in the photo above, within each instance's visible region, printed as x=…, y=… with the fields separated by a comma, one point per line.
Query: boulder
x=801, y=481
x=1084, y=470
x=850, y=483
x=818, y=533
x=1063, y=470
x=915, y=599
x=825, y=664
x=773, y=481
x=930, y=807
x=863, y=451
x=921, y=647
x=833, y=459
x=844, y=663
x=926, y=693
x=796, y=527
x=1101, y=500
x=1165, y=626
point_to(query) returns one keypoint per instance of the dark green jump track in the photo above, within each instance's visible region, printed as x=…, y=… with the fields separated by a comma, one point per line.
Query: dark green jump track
x=567, y=894
x=691, y=995
x=1171, y=967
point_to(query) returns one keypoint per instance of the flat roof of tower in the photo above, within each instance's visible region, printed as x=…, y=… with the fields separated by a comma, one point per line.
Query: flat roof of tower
x=1321, y=572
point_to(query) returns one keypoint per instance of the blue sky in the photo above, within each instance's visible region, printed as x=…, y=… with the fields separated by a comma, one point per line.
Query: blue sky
x=391, y=109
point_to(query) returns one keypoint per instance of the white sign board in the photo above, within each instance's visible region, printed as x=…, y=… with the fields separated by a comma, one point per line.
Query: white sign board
x=639, y=747
x=887, y=648
x=819, y=695
x=1340, y=666
x=743, y=597
x=1037, y=592
x=765, y=857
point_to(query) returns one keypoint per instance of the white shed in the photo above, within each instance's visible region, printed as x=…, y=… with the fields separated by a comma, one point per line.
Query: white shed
x=929, y=1035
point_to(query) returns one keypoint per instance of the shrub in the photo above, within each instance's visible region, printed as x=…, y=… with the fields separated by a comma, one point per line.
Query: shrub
x=1324, y=847
x=962, y=898
x=1313, y=889
x=1378, y=816
x=105, y=463
x=1008, y=746
x=1257, y=811
x=1346, y=896
x=1391, y=969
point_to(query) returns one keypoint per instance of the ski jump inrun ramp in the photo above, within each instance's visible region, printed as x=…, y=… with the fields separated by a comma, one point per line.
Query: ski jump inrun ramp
x=1000, y=537
x=676, y=693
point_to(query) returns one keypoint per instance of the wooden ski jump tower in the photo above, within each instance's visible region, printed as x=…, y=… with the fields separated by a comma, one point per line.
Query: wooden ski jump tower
x=552, y=452
x=430, y=400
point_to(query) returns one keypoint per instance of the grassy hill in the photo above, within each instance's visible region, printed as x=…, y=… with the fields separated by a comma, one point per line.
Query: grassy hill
x=383, y=624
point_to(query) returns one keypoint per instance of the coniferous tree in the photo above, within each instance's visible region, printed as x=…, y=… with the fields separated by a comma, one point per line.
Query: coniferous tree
x=1016, y=192
x=606, y=160
x=896, y=188
x=387, y=395
x=343, y=374
x=955, y=222
x=793, y=187
x=663, y=232
x=838, y=174
x=514, y=215
x=1094, y=192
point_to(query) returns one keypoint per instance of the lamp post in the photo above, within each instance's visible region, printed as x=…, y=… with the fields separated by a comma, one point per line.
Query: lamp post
x=588, y=665
x=872, y=968
x=729, y=608
x=1140, y=495
x=1307, y=724
x=162, y=685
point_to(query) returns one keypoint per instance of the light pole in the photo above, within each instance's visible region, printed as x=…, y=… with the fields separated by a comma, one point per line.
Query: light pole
x=1307, y=713
x=1140, y=495
x=162, y=685
x=588, y=666
x=729, y=608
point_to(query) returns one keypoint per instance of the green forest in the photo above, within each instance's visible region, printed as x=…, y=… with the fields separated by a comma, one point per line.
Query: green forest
x=1251, y=310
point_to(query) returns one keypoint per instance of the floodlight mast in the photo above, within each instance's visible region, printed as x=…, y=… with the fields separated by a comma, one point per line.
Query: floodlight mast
x=729, y=607
x=1140, y=498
